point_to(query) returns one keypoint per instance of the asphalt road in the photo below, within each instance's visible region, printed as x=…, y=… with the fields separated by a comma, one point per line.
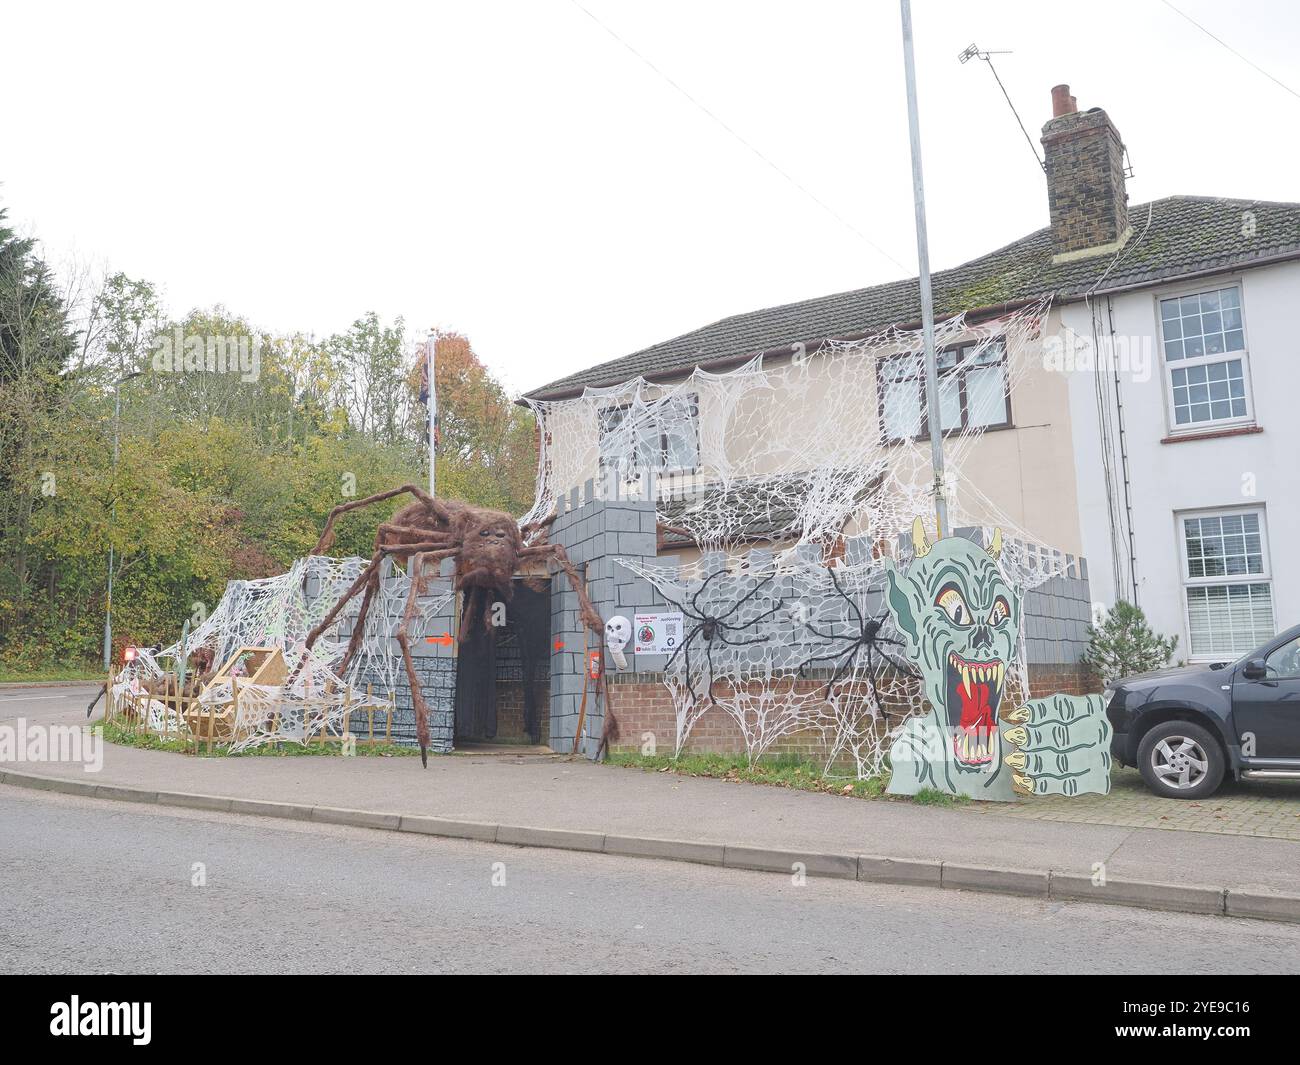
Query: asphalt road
x=89, y=886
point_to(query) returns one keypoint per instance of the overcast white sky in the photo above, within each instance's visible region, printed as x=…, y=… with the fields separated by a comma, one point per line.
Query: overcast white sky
x=509, y=169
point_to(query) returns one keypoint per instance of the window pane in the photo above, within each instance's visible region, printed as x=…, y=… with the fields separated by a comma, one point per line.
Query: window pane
x=949, y=403
x=986, y=390
x=1228, y=545
x=1284, y=663
x=902, y=414
x=1229, y=619
x=679, y=434
x=1195, y=398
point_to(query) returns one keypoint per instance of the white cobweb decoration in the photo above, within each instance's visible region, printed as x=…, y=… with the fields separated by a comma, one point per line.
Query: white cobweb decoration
x=764, y=474
x=279, y=612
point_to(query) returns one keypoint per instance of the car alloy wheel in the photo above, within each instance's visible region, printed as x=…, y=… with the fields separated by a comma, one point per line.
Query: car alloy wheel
x=1179, y=762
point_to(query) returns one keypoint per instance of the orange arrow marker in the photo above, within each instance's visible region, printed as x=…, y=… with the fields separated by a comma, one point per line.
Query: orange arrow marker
x=444, y=639
x=559, y=645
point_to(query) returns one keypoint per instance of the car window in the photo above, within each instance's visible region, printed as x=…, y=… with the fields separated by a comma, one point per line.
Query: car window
x=1285, y=661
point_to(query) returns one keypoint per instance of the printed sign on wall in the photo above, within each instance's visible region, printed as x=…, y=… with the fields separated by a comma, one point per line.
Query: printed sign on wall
x=657, y=634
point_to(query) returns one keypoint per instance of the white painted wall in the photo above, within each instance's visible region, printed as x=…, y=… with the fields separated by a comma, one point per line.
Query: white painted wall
x=1167, y=478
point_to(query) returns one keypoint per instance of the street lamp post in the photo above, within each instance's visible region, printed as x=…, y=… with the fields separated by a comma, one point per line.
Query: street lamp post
x=431, y=348
x=933, y=418
x=112, y=517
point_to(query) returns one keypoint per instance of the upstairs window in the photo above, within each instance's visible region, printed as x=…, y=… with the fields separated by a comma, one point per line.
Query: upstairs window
x=1204, y=343
x=664, y=438
x=973, y=391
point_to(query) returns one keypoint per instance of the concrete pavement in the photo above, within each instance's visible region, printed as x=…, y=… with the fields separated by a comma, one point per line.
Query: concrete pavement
x=551, y=802
x=110, y=887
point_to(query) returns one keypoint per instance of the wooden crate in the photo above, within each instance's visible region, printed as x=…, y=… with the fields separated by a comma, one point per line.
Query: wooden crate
x=248, y=665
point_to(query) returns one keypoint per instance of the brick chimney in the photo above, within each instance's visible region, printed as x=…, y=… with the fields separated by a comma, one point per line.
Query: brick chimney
x=1085, y=180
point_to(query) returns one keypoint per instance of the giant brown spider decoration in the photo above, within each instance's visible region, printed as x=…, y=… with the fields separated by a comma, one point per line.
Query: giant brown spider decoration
x=488, y=546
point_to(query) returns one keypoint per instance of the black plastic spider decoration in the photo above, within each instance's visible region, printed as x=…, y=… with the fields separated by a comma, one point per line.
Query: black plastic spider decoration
x=867, y=639
x=717, y=628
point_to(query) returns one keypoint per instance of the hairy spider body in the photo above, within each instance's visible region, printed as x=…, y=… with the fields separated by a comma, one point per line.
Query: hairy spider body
x=488, y=547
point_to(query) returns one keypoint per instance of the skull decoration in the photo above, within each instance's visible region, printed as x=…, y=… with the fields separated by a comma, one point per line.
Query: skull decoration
x=618, y=630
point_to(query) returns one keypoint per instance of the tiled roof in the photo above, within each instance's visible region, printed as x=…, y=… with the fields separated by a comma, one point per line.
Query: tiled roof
x=1174, y=237
x=766, y=507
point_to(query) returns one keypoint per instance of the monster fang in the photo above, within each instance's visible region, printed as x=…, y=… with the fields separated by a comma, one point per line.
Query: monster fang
x=978, y=686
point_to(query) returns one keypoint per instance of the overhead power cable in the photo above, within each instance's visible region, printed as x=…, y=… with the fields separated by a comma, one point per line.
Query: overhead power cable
x=736, y=136
x=1220, y=40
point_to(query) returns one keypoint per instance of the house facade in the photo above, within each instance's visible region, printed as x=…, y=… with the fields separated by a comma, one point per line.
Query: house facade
x=1147, y=433
x=1181, y=361
x=1189, y=493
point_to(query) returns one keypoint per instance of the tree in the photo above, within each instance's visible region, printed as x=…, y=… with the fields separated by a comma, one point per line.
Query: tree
x=370, y=357
x=487, y=449
x=1124, y=644
x=226, y=471
x=35, y=343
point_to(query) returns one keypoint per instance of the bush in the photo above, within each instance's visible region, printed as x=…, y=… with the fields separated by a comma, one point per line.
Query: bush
x=1124, y=644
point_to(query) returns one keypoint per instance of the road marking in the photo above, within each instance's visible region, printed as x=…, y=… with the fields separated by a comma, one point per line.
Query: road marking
x=32, y=698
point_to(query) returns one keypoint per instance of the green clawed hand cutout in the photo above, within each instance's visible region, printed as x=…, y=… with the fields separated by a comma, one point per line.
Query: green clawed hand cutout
x=960, y=619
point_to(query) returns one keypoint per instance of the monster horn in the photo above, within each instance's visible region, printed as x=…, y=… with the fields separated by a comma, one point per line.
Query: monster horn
x=995, y=545
x=920, y=544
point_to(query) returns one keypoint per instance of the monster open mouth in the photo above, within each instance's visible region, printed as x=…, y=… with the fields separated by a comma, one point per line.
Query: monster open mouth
x=974, y=691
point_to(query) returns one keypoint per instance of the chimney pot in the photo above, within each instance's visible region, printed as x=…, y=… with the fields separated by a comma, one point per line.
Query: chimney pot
x=1062, y=102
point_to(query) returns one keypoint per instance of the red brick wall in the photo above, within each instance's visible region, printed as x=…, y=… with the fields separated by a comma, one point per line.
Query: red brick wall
x=510, y=710
x=642, y=704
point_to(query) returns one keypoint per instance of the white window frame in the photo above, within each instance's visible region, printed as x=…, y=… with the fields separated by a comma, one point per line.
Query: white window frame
x=1265, y=577
x=627, y=465
x=1218, y=424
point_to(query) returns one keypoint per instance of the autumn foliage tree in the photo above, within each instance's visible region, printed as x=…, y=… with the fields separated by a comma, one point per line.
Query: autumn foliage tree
x=222, y=475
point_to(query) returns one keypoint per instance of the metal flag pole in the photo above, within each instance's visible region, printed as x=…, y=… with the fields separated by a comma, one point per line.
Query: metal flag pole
x=933, y=420
x=431, y=345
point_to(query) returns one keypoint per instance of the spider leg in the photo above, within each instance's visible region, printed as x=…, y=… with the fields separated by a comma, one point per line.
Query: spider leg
x=758, y=587
x=590, y=617
x=359, y=583
x=417, y=695
x=327, y=535
x=846, y=597
x=359, y=630
x=362, y=580
x=708, y=657
x=683, y=646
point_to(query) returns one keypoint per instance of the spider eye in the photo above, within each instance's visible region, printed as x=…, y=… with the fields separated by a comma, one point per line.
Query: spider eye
x=1000, y=612
x=950, y=601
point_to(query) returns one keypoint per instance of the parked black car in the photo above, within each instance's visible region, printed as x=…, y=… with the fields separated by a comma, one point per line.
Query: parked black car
x=1184, y=728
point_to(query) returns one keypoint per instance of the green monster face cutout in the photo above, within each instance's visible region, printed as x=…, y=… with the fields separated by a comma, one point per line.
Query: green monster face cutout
x=960, y=619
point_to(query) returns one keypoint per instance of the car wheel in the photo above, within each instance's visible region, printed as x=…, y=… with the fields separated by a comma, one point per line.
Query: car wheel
x=1181, y=760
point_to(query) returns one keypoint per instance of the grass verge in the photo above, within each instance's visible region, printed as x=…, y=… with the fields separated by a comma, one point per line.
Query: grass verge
x=9, y=675
x=782, y=771
x=115, y=732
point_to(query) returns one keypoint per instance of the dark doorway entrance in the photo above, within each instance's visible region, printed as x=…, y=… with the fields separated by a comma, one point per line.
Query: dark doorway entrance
x=503, y=678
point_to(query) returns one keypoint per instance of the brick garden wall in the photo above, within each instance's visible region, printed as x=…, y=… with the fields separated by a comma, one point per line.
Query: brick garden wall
x=644, y=709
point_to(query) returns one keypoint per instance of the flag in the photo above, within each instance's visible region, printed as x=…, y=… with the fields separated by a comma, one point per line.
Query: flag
x=424, y=393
